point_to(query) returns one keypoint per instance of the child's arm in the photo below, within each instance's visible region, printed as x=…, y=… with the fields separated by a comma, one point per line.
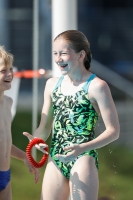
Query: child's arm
x=19, y=154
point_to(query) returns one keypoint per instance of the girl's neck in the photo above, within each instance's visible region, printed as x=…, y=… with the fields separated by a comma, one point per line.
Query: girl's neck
x=78, y=78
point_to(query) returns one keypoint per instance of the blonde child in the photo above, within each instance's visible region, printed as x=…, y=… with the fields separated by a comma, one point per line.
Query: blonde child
x=7, y=149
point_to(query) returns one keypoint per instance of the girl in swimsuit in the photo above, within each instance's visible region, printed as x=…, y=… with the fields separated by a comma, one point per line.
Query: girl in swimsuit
x=72, y=105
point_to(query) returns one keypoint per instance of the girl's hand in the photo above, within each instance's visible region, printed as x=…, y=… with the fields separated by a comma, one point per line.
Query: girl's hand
x=75, y=151
x=39, y=146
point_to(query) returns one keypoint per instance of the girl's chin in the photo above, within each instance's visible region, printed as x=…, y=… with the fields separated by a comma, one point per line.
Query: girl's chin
x=64, y=72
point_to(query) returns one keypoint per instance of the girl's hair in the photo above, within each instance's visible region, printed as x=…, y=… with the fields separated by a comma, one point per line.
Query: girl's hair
x=6, y=56
x=78, y=42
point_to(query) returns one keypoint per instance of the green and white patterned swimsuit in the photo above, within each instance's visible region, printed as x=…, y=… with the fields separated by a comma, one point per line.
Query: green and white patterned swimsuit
x=74, y=122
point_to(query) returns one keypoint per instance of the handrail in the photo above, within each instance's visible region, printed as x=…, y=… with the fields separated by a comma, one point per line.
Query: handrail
x=112, y=77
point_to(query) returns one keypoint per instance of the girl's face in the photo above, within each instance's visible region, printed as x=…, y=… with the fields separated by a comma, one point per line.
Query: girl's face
x=65, y=57
x=6, y=76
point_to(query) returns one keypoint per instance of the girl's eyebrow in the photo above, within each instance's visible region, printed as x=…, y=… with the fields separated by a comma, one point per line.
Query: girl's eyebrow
x=60, y=52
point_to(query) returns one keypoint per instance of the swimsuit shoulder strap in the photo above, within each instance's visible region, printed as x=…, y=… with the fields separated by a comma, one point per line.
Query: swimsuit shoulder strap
x=59, y=82
x=86, y=85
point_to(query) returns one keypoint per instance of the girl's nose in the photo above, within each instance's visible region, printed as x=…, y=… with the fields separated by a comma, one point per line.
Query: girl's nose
x=59, y=59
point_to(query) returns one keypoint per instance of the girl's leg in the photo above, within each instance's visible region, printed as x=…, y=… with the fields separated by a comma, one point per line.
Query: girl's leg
x=55, y=186
x=84, y=181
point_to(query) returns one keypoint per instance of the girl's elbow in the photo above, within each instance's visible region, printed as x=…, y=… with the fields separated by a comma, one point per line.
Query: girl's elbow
x=117, y=133
x=117, y=136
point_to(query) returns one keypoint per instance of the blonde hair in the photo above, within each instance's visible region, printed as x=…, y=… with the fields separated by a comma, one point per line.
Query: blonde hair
x=6, y=56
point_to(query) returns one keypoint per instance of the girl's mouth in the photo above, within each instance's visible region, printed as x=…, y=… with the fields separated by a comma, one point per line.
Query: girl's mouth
x=63, y=66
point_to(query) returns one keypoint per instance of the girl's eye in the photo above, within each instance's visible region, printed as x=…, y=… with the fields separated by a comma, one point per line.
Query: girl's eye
x=63, y=53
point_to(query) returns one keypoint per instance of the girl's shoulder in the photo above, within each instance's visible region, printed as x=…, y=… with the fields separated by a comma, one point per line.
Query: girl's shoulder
x=98, y=88
x=51, y=83
x=98, y=83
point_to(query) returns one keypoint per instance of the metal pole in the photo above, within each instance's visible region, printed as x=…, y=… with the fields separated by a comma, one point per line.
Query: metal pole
x=35, y=66
x=64, y=17
x=4, y=24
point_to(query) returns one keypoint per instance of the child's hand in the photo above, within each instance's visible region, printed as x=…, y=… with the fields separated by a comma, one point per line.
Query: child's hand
x=39, y=146
x=32, y=170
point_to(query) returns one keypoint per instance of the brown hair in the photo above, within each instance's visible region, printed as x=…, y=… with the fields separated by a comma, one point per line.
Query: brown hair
x=78, y=42
x=6, y=56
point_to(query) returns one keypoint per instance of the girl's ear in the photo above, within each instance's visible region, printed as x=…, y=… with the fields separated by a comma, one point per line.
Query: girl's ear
x=82, y=54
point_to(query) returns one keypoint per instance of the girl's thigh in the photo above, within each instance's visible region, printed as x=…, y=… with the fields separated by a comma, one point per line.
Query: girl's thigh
x=55, y=186
x=84, y=182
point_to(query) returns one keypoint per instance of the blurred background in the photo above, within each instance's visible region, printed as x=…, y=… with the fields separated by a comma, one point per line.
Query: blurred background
x=108, y=26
